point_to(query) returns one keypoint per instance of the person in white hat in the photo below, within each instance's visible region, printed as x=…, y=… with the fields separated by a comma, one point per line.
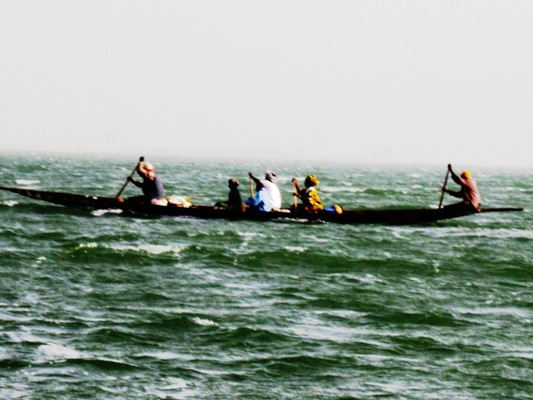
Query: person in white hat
x=267, y=195
x=151, y=185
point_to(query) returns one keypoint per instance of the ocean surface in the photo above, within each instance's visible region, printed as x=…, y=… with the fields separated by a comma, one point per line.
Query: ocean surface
x=99, y=305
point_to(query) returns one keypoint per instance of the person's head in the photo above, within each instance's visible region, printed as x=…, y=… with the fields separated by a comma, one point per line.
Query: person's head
x=270, y=176
x=149, y=170
x=233, y=183
x=466, y=175
x=148, y=167
x=311, y=180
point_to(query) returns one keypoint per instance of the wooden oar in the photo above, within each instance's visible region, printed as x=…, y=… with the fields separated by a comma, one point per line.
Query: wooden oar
x=296, y=192
x=443, y=186
x=141, y=159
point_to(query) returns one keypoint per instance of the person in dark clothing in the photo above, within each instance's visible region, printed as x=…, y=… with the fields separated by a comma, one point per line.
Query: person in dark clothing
x=151, y=184
x=234, y=196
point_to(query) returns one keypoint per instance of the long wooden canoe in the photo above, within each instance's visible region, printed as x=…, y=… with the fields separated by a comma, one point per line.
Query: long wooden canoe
x=396, y=216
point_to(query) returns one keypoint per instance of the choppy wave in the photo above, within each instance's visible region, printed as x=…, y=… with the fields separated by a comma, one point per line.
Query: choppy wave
x=102, y=305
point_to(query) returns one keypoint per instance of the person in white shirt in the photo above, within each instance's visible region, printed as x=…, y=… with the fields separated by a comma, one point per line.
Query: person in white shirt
x=267, y=195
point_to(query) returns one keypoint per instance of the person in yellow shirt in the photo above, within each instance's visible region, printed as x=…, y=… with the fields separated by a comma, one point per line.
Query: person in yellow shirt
x=309, y=195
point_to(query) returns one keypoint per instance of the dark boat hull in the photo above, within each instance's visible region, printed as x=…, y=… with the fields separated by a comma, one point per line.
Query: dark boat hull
x=396, y=216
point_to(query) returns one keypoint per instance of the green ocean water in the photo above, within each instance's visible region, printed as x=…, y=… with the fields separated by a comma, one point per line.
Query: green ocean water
x=97, y=305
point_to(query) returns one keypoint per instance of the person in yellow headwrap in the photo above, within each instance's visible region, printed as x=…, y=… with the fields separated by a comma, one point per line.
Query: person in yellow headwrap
x=468, y=192
x=309, y=195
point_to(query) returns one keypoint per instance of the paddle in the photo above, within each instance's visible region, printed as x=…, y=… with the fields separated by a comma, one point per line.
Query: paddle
x=251, y=188
x=295, y=194
x=141, y=159
x=443, y=186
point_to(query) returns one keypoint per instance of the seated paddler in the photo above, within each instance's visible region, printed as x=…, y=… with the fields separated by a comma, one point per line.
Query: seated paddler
x=234, y=201
x=267, y=195
x=468, y=191
x=309, y=194
x=151, y=185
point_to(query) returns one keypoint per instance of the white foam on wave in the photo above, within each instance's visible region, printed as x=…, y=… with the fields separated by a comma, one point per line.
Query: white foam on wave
x=295, y=249
x=526, y=354
x=175, y=389
x=25, y=336
x=316, y=331
x=510, y=233
x=250, y=235
x=99, y=213
x=26, y=182
x=162, y=355
x=54, y=351
x=339, y=189
x=204, y=322
x=21, y=392
x=175, y=383
x=91, y=245
x=10, y=203
x=40, y=260
x=370, y=279
x=515, y=312
x=347, y=314
x=148, y=248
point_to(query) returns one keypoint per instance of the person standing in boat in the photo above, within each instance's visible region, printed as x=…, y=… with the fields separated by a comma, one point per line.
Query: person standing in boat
x=267, y=195
x=309, y=195
x=468, y=191
x=151, y=184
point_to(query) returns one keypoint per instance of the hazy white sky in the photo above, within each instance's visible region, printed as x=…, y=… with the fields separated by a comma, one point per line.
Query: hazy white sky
x=361, y=81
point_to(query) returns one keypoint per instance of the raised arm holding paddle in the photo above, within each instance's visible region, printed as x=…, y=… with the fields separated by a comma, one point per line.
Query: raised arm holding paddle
x=309, y=194
x=267, y=196
x=141, y=159
x=151, y=184
x=468, y=189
